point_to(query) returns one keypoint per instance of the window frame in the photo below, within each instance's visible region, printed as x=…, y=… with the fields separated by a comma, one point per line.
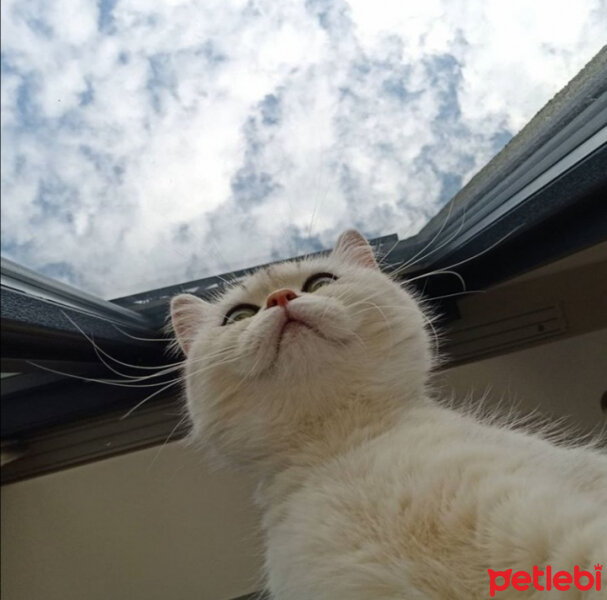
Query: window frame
x=543, y=197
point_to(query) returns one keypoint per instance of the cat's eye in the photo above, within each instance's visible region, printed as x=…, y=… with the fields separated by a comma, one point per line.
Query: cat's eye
x=239, y=313
x=315, y=282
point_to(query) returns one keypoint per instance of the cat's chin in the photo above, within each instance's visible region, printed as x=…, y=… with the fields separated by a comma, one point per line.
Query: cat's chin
x=297, y=343
x=292, y=330
x=297, y=339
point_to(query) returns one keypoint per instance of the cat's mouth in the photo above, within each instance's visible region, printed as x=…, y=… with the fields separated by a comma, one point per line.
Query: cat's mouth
x=291, y=328
x=291, y=325
x=292, y=335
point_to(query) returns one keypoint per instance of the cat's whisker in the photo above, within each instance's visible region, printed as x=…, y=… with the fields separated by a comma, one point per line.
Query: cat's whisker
x=227, y=282
x=394, y=274
x=242, y=380
x=374, y=306
x=455, y=294
x=253, y=368
x=429, y=323
x=438, y=272
x=134, y=383
x=364, y=300
x=428, y=319
x=103, y=381
x=349, y=333
x=448, y=240
x=371, y=307
x=384, y=259
x=179, y=423
x=381, y=312
x=429, y=244
x=315, y=208
x=146, y=399
x=170, y=384
x=218, y=253
x=207, y=367
x=420, y=256
x=135, y=337
x=349, y=294
x=134, y=378
x=161, y=369
x=485, y=250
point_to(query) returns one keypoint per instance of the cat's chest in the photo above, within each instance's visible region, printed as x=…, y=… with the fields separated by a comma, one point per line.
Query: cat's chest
x=374, y=514
x=387, y=511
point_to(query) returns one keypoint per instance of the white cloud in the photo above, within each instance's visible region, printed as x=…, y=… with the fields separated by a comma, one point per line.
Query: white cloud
x=150, y=143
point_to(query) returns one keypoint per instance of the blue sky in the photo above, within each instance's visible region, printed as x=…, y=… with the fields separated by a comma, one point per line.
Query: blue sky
x=148, y=143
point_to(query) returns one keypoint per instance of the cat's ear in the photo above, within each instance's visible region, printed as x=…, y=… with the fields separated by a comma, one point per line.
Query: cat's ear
x=352, y=247
x=187, y=314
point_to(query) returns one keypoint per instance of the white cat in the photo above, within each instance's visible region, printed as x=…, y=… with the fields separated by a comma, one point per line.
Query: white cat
x=314, y=376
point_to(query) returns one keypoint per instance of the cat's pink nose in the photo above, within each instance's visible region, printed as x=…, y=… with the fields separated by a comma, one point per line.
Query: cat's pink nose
x=280, y=298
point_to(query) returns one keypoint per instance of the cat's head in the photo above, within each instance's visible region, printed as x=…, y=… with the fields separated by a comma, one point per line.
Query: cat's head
x=293, y=344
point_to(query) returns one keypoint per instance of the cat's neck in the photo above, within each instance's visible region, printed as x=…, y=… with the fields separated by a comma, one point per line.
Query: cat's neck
x=355, y=421
x=351, y=421
x=348, y=421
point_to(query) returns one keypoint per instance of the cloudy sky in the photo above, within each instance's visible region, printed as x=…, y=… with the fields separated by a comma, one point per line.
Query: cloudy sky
x=149, y=143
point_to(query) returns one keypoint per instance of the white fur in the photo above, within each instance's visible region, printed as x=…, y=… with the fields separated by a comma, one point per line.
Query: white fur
x=370, y=489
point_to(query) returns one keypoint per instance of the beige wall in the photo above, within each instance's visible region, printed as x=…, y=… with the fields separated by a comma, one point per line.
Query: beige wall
x=156, y=524
x=143, y=526
x=565, y=378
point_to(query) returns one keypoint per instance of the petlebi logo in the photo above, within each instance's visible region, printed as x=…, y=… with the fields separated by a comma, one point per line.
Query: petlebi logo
x=545, y=579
